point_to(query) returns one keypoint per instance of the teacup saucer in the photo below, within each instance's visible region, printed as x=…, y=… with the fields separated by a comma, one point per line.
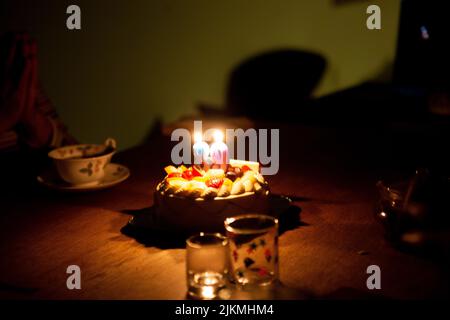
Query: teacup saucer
x=114, y=174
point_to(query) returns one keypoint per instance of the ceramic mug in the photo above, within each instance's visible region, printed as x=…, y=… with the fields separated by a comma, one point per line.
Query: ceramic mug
x=83, y=164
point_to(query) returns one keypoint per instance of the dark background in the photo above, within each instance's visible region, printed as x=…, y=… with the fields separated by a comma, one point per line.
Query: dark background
x=135, y=62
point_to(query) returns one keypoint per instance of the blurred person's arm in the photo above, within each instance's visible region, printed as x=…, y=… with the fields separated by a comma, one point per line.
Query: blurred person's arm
x=27, y=116
x=16, y=70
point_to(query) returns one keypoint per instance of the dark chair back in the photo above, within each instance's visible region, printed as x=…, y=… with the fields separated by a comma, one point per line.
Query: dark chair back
x=274, y=84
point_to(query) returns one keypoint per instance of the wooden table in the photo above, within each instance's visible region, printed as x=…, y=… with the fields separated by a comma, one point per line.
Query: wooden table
x=332, y=172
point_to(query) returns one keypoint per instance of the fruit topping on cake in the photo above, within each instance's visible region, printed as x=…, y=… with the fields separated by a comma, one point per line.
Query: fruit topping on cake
x=195, y=182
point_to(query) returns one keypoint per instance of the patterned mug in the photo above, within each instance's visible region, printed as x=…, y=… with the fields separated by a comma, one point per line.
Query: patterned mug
x=253, y=243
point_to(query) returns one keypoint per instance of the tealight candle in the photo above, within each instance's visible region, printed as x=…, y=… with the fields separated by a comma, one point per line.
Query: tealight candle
x=219, y=150
x=200, y=148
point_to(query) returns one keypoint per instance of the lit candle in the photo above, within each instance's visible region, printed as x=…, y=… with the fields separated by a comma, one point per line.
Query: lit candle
x=200, y=148
x=219, y=150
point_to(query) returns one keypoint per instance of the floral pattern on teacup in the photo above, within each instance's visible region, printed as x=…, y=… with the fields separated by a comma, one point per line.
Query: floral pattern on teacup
x=92, y=168
x=88, y=170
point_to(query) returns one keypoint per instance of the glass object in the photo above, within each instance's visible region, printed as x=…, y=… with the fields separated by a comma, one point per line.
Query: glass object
x=390, y=207
x=206, y=265
x=254, y=249
x=414, y=211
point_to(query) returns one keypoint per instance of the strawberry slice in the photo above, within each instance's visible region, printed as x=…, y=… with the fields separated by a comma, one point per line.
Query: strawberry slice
x=174, y=174
x=187, y=174
x=196, y=172
x=214, y=183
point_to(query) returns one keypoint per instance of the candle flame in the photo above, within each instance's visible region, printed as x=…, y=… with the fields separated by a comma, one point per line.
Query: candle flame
x=218, y=136
x=197, y=137
x=208, y=292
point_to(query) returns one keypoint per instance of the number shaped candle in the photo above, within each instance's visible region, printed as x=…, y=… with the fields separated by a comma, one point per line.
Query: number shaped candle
x=200, y=148
x=219, y=150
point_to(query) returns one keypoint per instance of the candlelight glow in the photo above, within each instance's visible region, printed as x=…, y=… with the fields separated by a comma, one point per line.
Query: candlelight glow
x=197, y=137
x=218, y=136
x=208, y=292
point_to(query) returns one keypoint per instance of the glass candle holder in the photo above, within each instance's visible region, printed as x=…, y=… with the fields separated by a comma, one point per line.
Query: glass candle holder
x=206, y=265
x=254, y=249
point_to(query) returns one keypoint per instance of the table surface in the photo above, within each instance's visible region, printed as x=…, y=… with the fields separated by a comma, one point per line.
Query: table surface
x=330, y=172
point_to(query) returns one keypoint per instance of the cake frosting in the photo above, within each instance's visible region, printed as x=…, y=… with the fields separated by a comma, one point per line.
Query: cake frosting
x=200, y=198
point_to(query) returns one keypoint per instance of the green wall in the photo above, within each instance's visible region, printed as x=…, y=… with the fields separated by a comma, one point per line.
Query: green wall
x=136, y=61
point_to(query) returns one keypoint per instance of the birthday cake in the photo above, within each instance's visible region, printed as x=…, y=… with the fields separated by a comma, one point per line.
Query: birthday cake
x=200, y=198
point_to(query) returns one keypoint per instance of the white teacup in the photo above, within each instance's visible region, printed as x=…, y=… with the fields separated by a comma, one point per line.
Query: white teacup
x=83, y=164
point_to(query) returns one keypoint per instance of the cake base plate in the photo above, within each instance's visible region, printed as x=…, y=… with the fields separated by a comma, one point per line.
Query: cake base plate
x=147, y=228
